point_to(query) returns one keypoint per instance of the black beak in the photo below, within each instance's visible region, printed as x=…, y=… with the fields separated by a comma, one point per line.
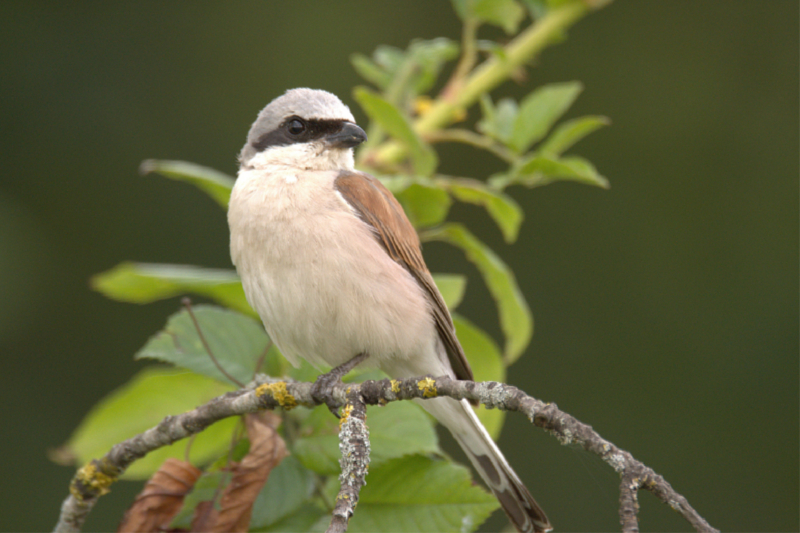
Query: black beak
x=349, y=136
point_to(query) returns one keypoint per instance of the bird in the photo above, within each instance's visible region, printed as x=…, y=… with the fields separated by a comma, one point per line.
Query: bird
x=334, y=268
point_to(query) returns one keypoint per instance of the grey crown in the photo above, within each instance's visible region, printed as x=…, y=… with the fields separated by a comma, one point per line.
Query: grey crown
x=303, y=102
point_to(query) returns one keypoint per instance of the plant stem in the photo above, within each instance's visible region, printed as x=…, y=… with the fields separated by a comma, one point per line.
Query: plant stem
x=489, y=75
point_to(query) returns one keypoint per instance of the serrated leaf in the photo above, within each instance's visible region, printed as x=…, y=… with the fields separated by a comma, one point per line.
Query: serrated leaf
x=396, y=430
x=216, y=184
x=148, y=282
x=425, y=205
x=452, y=287
x=504, y=13
x=539, y=111
x=142, y=403
x=396, y=124
x=237, y=342
x=418, y=494
x=541, y=170
x=487, y=365
x=569, y=133
x=516, y=320
x=501, y=207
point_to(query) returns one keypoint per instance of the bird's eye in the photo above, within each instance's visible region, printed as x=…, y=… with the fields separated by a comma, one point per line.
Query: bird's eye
x=296, y=126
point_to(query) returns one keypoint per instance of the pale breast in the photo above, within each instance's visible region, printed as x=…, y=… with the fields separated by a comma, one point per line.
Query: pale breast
x=323, y=286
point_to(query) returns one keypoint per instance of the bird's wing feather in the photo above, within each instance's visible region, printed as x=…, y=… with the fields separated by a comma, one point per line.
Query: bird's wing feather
x=380, y=209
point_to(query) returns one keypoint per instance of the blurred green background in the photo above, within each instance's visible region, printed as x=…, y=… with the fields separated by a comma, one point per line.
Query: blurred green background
x=666, y=308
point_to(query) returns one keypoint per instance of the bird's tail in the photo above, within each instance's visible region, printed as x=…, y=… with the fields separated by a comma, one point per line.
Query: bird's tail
x=458, y=417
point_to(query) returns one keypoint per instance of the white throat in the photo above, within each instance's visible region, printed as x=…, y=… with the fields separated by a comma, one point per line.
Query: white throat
x=303, y=156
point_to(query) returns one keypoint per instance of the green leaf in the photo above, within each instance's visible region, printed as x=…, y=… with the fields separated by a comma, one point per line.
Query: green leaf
x=494, y=48
x=147, y=282
x=504, y=13
x=317, y=446
x=452, y=287
x=389, y=57
x=370, y=71
x=498, y=122
x=216, y=184
x=397, y=429
x=541, y=170
x=418, y=494
x=142, y=403
x=487, y=365
x=289, y=486
x=570, y=132
x=516, y=320
x=392, y=120
x=539, y=111
x=429, y=56
x=237, y=341
x=425, y=205
x=301, y=520
x=536, y=8
x=396, y=184
x=501, y=207
x=461, y=7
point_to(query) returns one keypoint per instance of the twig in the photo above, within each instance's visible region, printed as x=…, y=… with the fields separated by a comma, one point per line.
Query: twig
x=94, y=479
x=261, y=359
x=469, y=55
x=354, y=461
x=491, y=73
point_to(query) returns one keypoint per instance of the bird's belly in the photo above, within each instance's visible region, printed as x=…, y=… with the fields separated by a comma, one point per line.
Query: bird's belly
x=327, y=291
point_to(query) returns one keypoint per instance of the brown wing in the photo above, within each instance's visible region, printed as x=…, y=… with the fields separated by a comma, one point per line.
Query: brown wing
x=381, y=210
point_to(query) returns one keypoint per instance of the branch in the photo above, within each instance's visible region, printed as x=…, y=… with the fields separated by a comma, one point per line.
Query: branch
x=354, y=446
x=94, y=479
x=491, y=73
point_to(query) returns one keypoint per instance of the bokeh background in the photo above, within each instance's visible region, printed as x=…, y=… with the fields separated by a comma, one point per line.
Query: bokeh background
x=666, y=307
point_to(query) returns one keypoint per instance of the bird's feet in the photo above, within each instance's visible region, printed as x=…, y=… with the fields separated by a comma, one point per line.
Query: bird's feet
x=321, y=390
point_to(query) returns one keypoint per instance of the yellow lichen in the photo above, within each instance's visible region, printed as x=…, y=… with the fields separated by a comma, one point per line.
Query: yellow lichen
x=428, y=388
x=345, y=414
x=279, y=393
x=93, y=479
x=395, y=385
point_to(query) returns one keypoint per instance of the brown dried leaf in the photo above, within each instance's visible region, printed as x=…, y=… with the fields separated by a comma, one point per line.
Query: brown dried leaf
x=205, y=516
x=267, y=450
x=161, y=498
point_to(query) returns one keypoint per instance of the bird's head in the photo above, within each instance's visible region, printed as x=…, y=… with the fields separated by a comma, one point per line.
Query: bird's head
x=307, y=129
